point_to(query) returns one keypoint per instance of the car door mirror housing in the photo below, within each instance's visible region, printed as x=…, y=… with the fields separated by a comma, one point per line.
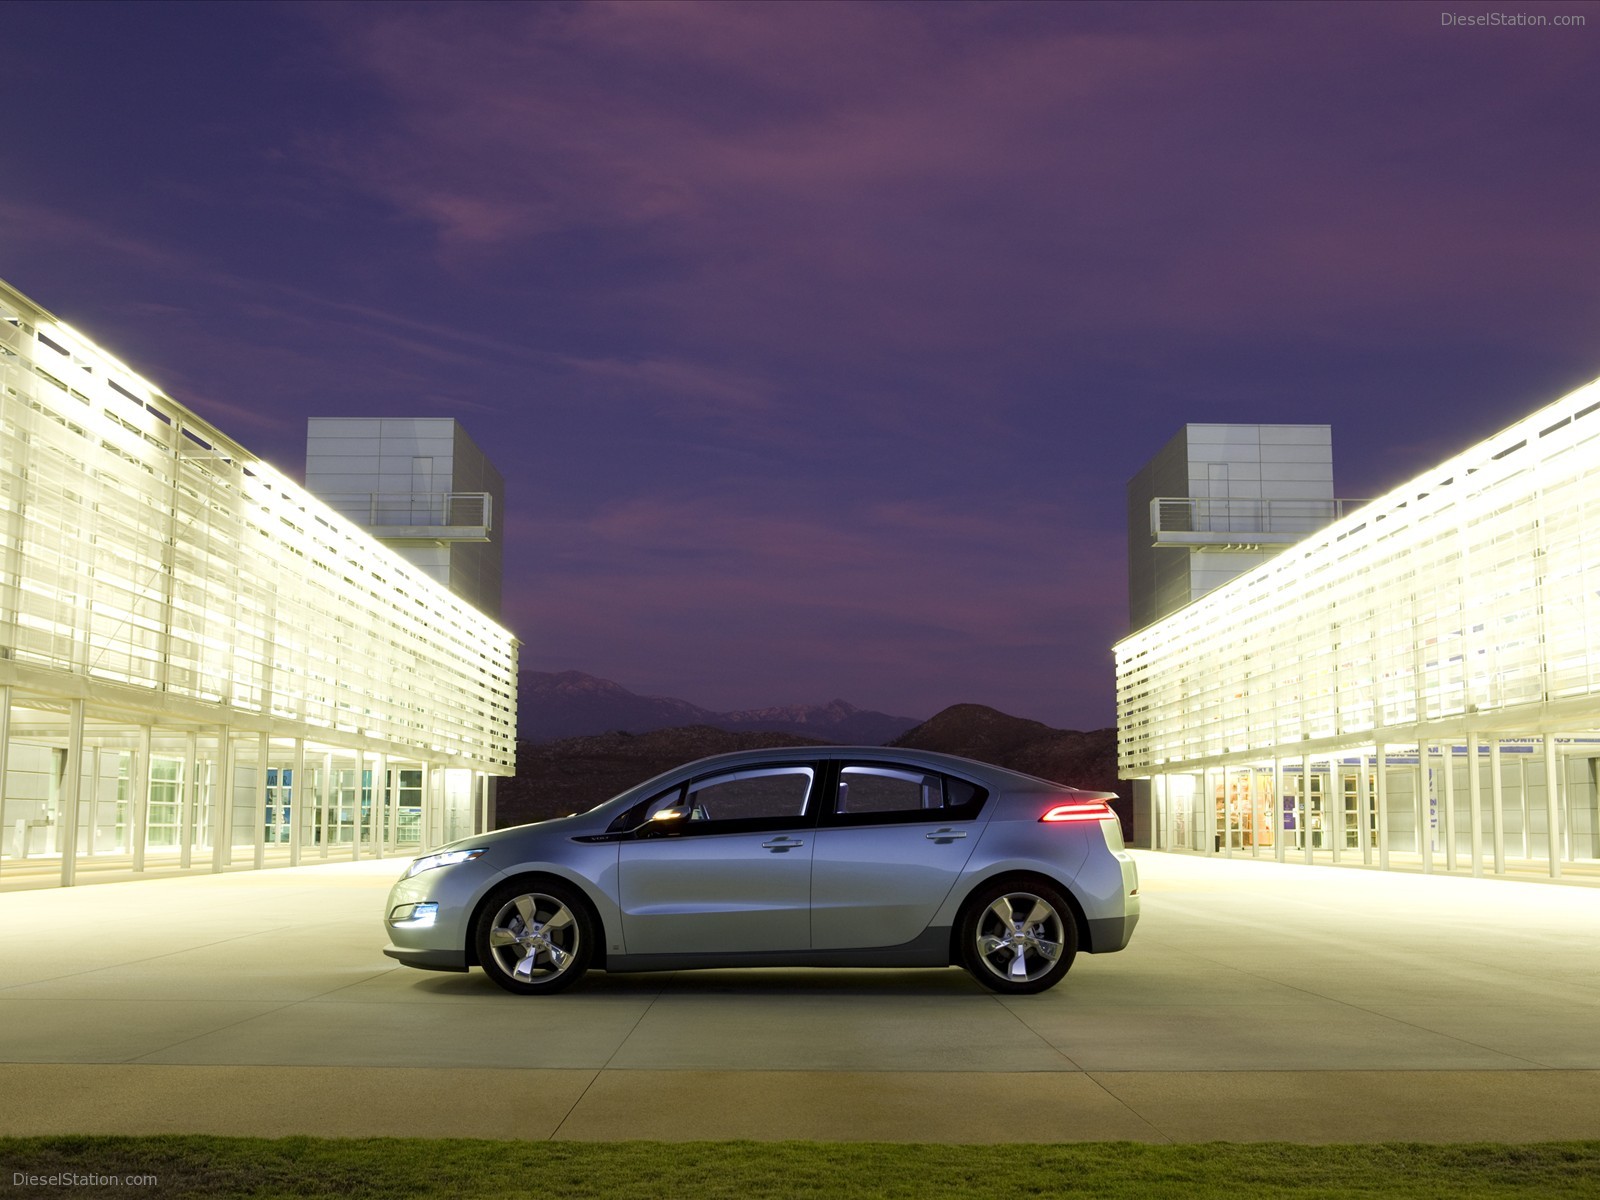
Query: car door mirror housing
x=662, y=821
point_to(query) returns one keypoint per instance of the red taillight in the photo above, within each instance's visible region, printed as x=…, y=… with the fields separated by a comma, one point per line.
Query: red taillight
x=1079, y=810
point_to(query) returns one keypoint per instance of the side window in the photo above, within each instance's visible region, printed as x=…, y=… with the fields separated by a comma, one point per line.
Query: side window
x=770, y=794
x=885, y=790
x=963, y=798
x=872, y=794
x=637, y=815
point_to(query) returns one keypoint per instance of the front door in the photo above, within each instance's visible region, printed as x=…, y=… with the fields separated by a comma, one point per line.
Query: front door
x=733, y=876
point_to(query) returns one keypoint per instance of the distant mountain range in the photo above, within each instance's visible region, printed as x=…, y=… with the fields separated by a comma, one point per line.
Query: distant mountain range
x=573, y=774
x=568, y=704
x=1083, y=760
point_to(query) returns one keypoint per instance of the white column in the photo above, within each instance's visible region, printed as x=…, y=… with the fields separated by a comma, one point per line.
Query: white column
x=1527, y=806
x=355, y=842
x=263, y=758
x=1335, y=797
x=1280, y=840
x=222, y=802
x=71, y=787
x=425, y=827
x=1498, y=816
x=1168, y=818
x=1475, y=798
x=1381, y=774
x=92, y=799
x=186, y=785
x=139, y=785
x=1552, y=807
x=297, y=792
x=380, y=804
x=1569, y=835
x=325, y=798
x=1258, y=809
x=1230, y=810
x=1305, y=803
x=391, y=774
x=1364, y=808
x=1424, y=813
x=1447, y=819
x=5, y=756
x=1208, y=796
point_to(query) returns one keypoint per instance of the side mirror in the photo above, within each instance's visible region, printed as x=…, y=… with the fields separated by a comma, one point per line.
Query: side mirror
x=660, y=821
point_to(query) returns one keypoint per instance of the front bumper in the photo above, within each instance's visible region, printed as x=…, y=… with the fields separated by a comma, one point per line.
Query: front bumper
x=441, y=945
x=429, y=960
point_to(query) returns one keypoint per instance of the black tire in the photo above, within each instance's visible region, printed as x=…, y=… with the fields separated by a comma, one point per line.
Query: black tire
x=1028, y=953
x=535, y=936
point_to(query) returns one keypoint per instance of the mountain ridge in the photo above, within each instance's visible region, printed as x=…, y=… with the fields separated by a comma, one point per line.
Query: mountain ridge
x=554, y=705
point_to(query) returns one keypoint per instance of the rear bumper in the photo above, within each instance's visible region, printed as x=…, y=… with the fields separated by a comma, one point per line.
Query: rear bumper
x=1108, y=934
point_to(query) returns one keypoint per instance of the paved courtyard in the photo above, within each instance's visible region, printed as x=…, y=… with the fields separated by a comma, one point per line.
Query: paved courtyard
x=1258, y=1001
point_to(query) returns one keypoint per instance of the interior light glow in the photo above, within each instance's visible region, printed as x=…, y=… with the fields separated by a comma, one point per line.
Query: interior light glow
x=1079, y=810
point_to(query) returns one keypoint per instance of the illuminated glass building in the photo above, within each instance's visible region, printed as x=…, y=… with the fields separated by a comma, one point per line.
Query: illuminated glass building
x=1416, y=684
x=201, y=664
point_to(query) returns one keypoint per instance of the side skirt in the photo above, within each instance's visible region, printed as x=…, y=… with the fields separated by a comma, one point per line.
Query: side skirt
x=932, y=949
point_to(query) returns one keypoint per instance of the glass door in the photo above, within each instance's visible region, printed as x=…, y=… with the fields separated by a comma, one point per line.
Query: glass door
x=166, y=808
x=1353, y=817
x=279, y=806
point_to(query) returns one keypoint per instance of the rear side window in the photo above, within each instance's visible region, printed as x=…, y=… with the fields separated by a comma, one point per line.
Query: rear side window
x=959, y=794
x=870, y=793
x=883, y=789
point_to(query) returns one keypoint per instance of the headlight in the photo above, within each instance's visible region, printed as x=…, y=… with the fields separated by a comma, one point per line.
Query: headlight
x=414, y=916
x=445, y=858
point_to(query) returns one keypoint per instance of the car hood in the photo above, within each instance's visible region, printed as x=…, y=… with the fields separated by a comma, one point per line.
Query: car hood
x=570, y=826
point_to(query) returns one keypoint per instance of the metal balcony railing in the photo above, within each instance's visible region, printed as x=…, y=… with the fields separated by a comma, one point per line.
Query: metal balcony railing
x=1201, y=521
x=442, y=515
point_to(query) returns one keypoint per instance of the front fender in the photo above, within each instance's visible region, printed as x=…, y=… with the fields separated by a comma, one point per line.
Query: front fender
x=593, y=872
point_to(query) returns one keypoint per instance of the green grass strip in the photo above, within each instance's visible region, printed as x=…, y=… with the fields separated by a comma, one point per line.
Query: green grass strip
x=460, y=1169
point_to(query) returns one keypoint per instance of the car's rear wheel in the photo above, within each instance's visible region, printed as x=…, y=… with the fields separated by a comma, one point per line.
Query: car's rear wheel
x=535, y=936
x=1018, y=937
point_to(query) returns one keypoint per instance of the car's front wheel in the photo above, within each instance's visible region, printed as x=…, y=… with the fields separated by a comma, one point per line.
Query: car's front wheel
x=535, y=936
x=1018, y=937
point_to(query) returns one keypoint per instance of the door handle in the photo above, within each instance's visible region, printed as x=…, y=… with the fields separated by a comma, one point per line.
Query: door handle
x=946, y=835
x=782, y=844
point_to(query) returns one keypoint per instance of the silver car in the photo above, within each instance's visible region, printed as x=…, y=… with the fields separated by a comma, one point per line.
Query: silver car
x=822, y=856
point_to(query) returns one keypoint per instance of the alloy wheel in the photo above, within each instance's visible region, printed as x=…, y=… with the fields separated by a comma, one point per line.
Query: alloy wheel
x=1019, y=937
x=534, y=938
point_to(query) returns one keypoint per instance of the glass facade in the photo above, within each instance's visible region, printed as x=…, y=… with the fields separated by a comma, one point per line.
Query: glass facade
x=1419, y=679
x=198, y=658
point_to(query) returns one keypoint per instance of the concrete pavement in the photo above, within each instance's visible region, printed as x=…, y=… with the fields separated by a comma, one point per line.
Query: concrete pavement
x=1258, y=1001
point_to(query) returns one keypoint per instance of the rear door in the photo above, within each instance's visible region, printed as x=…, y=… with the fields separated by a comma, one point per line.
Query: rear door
x=891, y=844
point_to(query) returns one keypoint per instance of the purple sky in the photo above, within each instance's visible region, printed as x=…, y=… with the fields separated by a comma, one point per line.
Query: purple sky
x=817, y=342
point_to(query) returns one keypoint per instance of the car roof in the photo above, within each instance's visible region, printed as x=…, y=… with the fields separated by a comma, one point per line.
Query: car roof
x=932, y=760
